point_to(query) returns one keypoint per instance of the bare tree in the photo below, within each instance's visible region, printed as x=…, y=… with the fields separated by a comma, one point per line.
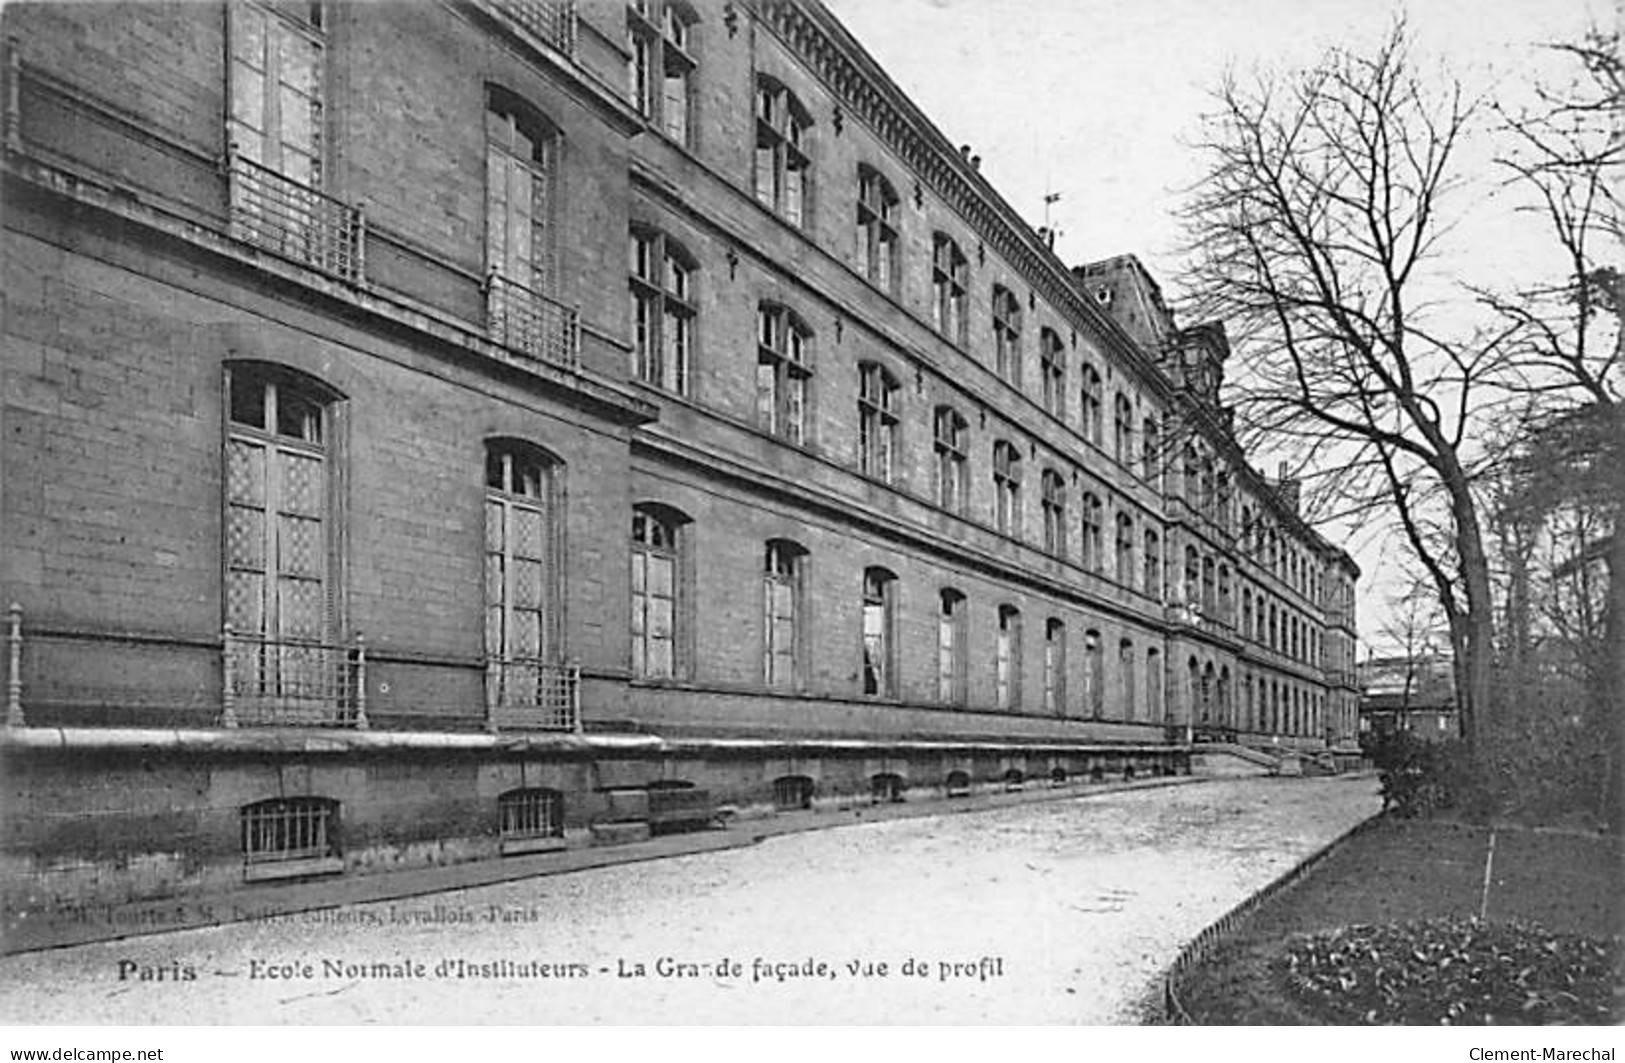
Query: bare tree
x=1311, y=236
x=1566, y=155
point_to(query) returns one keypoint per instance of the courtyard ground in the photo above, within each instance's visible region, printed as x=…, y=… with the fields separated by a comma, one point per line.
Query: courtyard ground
x=1061, y=911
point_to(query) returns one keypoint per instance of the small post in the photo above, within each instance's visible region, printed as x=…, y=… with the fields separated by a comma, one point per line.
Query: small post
x=14, y=677
x=360, y=682
x=493, y=680
x=359, y=257
x=575, y=698
x=228, y=678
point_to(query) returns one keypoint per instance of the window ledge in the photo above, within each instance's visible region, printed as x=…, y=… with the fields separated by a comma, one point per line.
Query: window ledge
x=521, y=846
x=270, y=870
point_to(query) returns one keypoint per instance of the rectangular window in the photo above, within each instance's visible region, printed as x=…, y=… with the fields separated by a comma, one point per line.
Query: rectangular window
x=877, y=421
x=780, y=606
x=520, y=597
x=949, y=275
x=1054, y=667
x=877, y=632
x=280, y=599
x=663, y=311
x=276, y=116
x=1007, y=659
x=949, y=444
x=654, y=596
x=782, y=374
x=877, y=229
x=951, y=648
x=782, y=129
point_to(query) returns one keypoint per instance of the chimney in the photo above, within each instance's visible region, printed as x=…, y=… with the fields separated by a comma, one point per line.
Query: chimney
x=1287, y=488
x=976, y=162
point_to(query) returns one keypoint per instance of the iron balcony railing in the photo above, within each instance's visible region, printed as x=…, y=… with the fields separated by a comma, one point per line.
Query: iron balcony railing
x=533, y=324
x=292, y=220
x=293, y=683
x=551, y=21
x=526, y=694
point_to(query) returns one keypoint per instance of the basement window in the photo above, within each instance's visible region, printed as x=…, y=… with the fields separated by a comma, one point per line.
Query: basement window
x=290, y=837
x=532, y=820
x=886, y=788
x=792, y=792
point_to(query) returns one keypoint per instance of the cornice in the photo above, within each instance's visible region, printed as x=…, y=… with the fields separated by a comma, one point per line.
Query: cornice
x=832, y=54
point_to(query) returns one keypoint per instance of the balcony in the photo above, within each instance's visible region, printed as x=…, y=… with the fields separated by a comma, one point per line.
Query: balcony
x=285, y=682
x=532, y=324
x=526, y=694
x=553, y=22
x=293, y=221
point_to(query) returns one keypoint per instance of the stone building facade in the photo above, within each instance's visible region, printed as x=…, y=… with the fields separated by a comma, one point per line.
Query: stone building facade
x=437, y=430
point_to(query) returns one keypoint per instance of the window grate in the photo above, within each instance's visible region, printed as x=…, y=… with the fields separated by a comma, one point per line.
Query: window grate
x=293, y=220
x=551, y=21
x=292, y=828
x=537, y=326
x=526, y=694
x=531, y=813
x=292, y=682
x=793, y=792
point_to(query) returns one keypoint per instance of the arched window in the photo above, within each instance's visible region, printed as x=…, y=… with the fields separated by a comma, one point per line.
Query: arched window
x=1154, y=707
x=1007, y=335
x=1054, y=666
x=950, y=442
x=1125, y=549
x=657, y=592
x=877, y=421
x=1093, y=548
x=783, y=133
x=1225, y=605
x=1209, y=584
x=1007, y=659
x=879, y=643
x=783, y=573
x=1094, y=673
x=951, y=647
x=1007, y=488
x=1052, y=364
x=1123, y=430
x=783, y=372
x=1153, y=565
x=282, y=546
x=520, y=230
x=1093, y=400
x=877, y=229
x=663, y=311
x=1193, y=669
x=1054, y=503
x=1193, y=577
x=1126, y=667
x=792, y=792
x=522, y=643
x=660, y=37
x=950, y=275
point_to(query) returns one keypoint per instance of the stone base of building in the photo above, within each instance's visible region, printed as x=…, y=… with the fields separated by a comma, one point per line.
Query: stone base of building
x=105, y=817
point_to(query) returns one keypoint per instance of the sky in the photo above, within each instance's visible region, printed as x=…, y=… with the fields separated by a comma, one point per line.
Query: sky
x=1098, y=100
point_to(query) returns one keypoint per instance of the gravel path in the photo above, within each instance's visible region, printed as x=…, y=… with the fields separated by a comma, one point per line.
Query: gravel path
x=1054, y=912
